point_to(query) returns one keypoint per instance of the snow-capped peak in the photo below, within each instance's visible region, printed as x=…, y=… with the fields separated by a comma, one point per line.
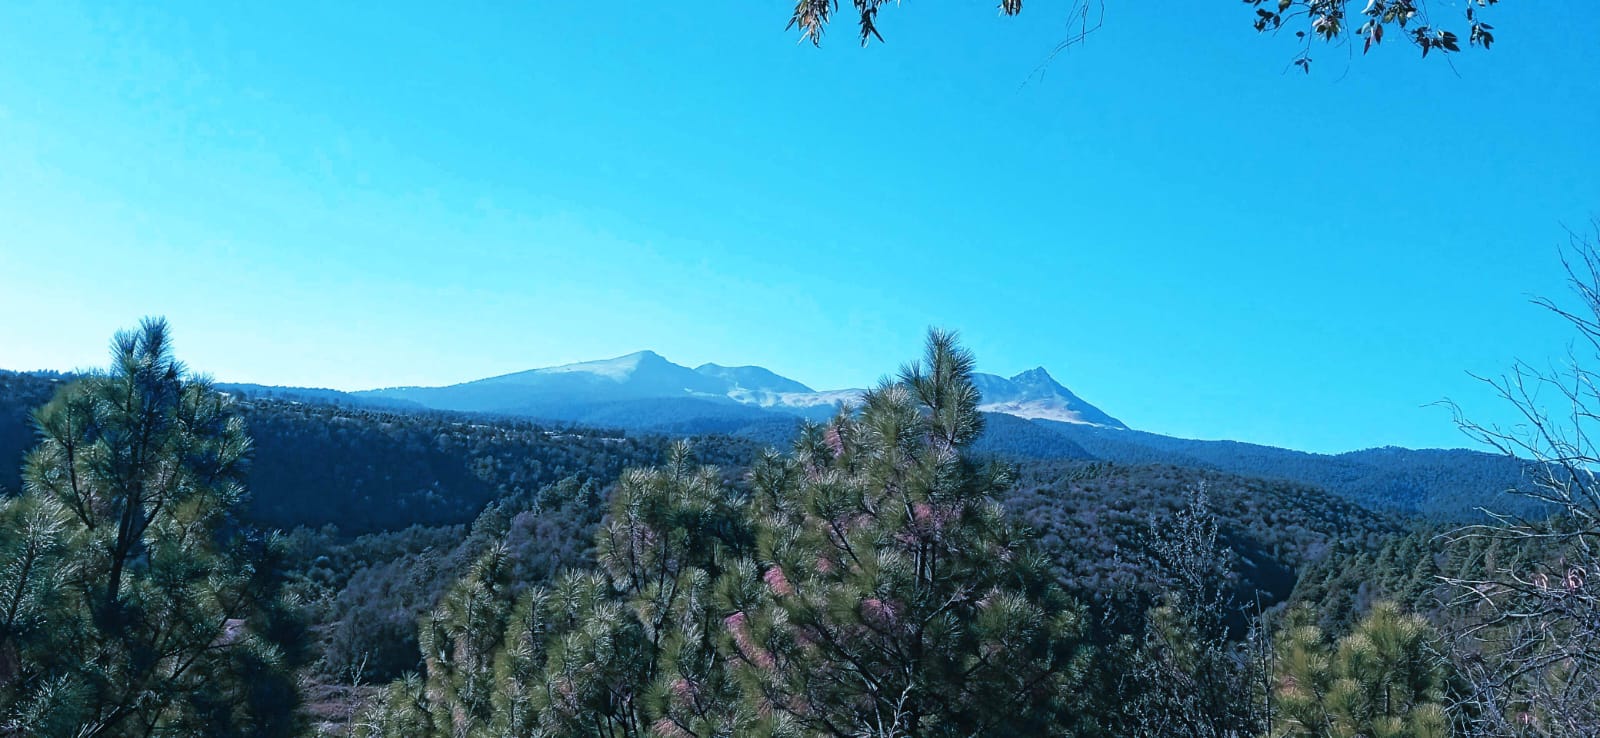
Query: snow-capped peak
x=618, y=369
x=644, y=375
x=1036, y=395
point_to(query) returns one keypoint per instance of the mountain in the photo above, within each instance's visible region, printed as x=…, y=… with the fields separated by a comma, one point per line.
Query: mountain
x=321, y=459
x=763, y=388
x=645, y=391
x=640, y=375
x=314, y=395
x=752, y=379
x=1030, y=416
x=1018, y=439
x=1439, y=483
x=1035, y=395
x=639, y=391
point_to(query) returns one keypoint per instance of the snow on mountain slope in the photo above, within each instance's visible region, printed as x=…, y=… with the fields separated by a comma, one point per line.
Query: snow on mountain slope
x=646, y=375
x=753, y=379
x=1035, y=395
x=636, y=375
x=619, y=369
x=813, y=405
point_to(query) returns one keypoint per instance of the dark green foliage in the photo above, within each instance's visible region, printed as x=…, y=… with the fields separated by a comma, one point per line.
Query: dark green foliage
x=1449, y=484
x=600, y=652
x=367, y=469
x=711, y=611
x=371, y=591
x=896, y=596
x=20, y=395
x=406, y=483
x=135, y=603
x=1388, y=678
x=1414, y=570
x=1093, y=519
x=1181, y=672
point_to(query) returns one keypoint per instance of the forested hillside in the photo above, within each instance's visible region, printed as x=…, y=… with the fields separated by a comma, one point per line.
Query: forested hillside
x=493, y=555
x=1099, y=518
x=1448, y=484
x=388, y=506
x=364, y=469
x=1096, y=522
x=20, y=395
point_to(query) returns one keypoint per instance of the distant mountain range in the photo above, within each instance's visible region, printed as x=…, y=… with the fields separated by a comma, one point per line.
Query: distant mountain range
x=643, y=382
x=1029, y=416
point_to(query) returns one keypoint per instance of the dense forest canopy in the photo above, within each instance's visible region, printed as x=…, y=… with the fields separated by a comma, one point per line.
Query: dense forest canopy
x=367, y=469
x=325, y=458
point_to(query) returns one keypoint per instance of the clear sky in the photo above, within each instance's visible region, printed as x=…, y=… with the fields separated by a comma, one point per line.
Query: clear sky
x=1182, y=230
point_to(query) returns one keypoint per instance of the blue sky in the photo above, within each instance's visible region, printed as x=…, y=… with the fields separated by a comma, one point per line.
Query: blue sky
x=1188, y=235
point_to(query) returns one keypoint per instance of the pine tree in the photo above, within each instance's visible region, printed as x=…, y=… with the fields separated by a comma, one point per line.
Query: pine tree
x=460, y=640
x=1386, y=679
x=895, y=599
x=866, y=585
x=673, y=533
x=134, y=601
x=628, y=648
x=400, y=709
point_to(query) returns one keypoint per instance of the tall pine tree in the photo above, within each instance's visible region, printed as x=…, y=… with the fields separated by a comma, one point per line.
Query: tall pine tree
x=866, y=585
x=135, y=604
x=896, y=599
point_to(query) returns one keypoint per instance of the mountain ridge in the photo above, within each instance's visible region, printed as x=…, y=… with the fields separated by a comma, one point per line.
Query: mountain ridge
x=1441, y=483
x=649, y=378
